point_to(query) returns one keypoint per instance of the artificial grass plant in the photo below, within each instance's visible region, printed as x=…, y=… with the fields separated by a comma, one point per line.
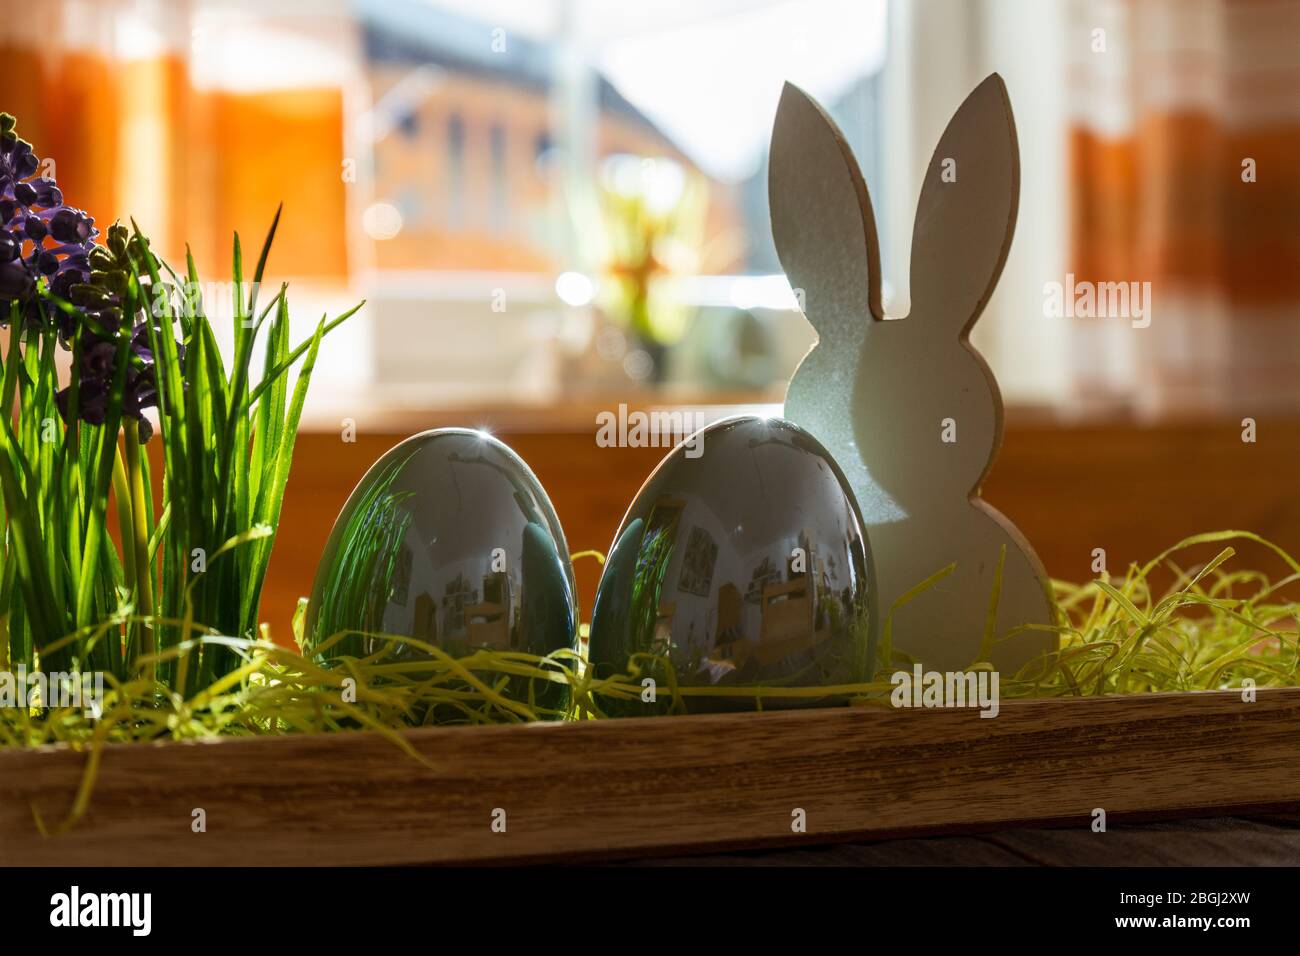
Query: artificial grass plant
x=73, y=600
x=1211, y=629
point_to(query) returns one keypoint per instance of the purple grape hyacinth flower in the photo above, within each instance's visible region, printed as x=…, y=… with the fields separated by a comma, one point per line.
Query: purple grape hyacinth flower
x=40, y=236
x=100, y=301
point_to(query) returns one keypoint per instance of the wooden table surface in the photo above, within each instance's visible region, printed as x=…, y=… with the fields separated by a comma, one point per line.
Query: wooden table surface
x=1272, y=840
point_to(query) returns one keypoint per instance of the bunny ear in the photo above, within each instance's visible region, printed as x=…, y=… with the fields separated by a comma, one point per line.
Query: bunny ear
x=967, y=212
x=821, y=217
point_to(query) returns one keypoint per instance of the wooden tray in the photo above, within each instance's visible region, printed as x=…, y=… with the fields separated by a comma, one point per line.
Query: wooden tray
x=635, y=787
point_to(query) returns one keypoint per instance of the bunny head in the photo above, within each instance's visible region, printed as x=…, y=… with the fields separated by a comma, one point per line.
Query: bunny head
x=934, y=404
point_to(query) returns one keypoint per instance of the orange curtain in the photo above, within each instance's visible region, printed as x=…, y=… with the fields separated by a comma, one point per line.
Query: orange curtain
x=60, y=86
x=104, y=89
x=1185, y=154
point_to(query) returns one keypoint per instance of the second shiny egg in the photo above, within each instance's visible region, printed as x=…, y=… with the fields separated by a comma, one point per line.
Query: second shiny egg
x=742, y=561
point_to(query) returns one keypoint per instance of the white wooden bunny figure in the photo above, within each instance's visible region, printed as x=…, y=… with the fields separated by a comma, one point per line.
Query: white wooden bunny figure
x=909, y=409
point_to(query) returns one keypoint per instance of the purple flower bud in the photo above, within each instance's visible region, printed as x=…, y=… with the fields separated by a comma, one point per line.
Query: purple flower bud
x=94, y=400
x=35, y=229
x=97, y=359
x=62, y=283
x=25, y=193
x=67, y=225
x=15, y=283
x=48, y=193
x=25, y=162
x=141, y=393
x=140, y=344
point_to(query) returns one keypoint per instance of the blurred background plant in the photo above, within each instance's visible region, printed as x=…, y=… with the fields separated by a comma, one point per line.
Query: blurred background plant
x=653, y=232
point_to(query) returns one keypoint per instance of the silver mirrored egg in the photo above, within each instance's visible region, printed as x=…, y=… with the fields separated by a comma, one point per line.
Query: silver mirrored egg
x=449, y=538
x=743, y=560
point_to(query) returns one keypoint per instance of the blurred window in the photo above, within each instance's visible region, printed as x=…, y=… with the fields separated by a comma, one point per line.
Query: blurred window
x=562, y=195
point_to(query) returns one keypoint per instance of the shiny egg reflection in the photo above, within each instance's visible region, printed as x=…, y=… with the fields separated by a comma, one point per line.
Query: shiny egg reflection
x=743, y=561
x=449, y=539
